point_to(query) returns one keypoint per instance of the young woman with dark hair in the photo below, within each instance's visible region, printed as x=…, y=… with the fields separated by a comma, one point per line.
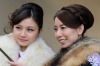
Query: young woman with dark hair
x=24, y=43
x=70, y=24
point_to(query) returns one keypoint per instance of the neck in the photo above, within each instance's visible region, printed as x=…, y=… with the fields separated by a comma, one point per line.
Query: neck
x=23, y=48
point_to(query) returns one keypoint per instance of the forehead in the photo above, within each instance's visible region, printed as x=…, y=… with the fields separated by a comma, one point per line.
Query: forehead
x=28, y=22
x=57, y=22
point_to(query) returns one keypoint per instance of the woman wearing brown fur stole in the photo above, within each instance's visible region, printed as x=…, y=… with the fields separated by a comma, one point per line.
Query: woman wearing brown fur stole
x=70, y=24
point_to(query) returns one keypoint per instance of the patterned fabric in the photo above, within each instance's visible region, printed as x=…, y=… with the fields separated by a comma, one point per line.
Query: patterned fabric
x=94, y=59
x=19, y=55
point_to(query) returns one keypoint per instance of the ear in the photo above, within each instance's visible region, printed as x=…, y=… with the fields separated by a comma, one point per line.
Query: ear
x=40, y=31
x=80, y=29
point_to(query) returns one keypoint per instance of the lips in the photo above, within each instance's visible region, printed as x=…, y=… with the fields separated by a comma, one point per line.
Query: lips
x=62, y=40
x=23, y=40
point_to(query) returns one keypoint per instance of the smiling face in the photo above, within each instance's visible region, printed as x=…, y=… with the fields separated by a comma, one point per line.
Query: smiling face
x=65, y=35
x=26, y=32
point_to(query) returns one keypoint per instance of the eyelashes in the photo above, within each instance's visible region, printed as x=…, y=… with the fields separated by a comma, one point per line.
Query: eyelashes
x=30, y=29
x=62, y=28
x=27, y=29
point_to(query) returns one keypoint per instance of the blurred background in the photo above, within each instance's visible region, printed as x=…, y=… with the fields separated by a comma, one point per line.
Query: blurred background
x=50, y=7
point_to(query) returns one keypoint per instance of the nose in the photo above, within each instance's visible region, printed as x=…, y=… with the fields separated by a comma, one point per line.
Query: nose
x=58, y=33
x=23, y=33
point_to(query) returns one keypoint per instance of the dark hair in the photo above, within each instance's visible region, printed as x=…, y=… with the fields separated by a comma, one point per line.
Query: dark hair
x=74, y=15
x=26, y=11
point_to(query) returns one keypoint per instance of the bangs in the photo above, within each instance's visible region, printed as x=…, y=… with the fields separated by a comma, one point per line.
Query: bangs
x=68, y=19
x=23, y=15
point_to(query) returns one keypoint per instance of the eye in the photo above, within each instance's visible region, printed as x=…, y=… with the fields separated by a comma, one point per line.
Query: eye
x=18, y=27
x=55, y=29
x=63, y=27
x=30, y=30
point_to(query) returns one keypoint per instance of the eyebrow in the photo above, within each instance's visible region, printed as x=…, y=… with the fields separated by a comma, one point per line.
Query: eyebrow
x=27, y=27
x=60, y=25
x=30, y=27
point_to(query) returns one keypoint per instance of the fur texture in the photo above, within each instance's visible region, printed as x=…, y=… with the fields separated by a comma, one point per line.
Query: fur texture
x=79, y=52
x=36, y=54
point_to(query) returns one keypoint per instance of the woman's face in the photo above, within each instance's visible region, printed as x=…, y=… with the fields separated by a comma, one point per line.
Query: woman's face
x=65, y=35
x=26, y=32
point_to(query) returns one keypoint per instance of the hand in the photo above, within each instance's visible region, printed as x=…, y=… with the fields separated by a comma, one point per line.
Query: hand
x=15, y=63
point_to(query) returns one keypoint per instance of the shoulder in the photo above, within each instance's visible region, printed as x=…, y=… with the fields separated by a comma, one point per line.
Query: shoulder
x=7, y=40
x=6, y=36
x=89, y=44
x=43, y=44
x=45, y=48
x=89, y=40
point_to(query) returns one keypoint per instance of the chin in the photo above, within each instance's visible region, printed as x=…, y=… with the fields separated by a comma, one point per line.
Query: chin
x=63, y=46
x=22, y=44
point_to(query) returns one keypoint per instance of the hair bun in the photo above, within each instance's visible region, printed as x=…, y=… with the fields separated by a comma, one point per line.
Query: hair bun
x=82, y=13
x=85, y=14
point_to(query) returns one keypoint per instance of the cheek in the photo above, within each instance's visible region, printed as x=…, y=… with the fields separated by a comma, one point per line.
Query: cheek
x=33, y=36
x=55, y=35
x=15, y=33
x=67, y=33
x=74, y=37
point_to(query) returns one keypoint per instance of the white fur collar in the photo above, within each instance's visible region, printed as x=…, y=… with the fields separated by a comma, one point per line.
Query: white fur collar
x=36, y=54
